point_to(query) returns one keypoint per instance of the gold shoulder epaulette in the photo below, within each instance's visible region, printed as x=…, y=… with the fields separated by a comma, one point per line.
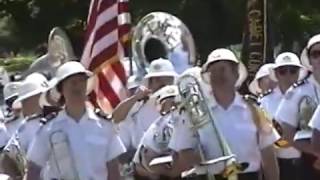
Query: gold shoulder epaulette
x=33, y=117
x=251, y=99
x=48, y=118
x=268, y=92
x=300, y=83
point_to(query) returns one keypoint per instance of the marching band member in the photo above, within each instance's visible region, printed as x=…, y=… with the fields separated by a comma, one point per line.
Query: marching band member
x=262, y=83
x=139, y=111
x=285, y=72
x=29, y=94
x=77, y=143
x=311, y=56
x=235, y=120
x=297, y=107
x=156, y=139
x=141, y=114
x=13, y=161
x=12, y=114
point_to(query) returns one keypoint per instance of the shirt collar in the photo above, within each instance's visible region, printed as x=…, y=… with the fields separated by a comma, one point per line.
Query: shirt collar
x=237, y=101
x=277, y=91
x=88, y=115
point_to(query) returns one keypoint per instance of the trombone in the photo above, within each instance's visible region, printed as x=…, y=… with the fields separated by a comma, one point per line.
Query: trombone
x=194, y=101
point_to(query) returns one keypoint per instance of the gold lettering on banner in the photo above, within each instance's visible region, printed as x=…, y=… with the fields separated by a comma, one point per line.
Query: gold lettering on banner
x=256, y=38
x=255, y=44
x=255, y=61
x=255, y=25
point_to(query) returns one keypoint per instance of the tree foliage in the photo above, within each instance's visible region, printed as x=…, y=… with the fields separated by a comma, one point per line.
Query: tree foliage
x=213, y=23
x=16, y=64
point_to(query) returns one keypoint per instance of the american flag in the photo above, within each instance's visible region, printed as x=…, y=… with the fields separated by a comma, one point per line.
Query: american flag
x=107, y=37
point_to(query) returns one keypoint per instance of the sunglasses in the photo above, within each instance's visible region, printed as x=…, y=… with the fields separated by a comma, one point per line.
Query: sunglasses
x=287, y=70
x=315, y=54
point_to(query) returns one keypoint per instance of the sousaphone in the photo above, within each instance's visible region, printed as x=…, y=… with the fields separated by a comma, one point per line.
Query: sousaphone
x=59, y=51
x=162, y=35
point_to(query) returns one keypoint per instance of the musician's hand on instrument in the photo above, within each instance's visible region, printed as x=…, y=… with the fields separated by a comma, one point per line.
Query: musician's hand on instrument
x=142, y=93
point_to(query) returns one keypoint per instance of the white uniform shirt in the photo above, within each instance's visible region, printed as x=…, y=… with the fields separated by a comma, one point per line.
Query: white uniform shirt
x=93, y=143
x=13, y=125
x=27, y=131
x=315, y=122
x=138, y=120
x=238, y=128
x=270, y=104
x=158, y=136
x=4, y=136
x=289, y=106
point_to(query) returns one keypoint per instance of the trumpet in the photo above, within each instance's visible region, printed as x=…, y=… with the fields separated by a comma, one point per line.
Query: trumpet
x=62, y=156
x=193, y=100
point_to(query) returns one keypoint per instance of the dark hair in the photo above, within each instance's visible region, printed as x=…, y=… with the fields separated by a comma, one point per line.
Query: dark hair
x=309, y=49
x=9, y=102
x=61, y=100
x=59, y=87
x=154, y=49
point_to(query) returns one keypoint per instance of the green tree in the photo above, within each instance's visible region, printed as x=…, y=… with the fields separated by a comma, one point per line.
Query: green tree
x=33, y=19
x=17, y=64
x=213, y=23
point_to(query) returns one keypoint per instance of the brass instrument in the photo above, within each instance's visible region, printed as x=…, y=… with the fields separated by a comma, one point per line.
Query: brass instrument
x=13, y=158
x=307, y=107
x=194, y=102
x=62, y=156
x=59, y=51
x=160, y=34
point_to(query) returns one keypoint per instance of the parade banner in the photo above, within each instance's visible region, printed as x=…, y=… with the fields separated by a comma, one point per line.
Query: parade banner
x=255, y=37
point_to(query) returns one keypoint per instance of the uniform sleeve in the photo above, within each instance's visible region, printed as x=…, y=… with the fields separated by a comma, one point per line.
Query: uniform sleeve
x=125, y=132
x=315, y=120
x=268, y=138
x=4, y=136
x=147, y=139
x=183, y=137
x=115, y=146
x=30, y=132
x=287, y=111
x=39, y=150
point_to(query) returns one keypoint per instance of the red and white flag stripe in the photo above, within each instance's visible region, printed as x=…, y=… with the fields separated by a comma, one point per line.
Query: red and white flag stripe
x=106, y=39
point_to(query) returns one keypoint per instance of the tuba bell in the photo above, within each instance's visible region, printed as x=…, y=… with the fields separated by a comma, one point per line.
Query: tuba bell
x=59, y=51
x=194, y=102
x=162, y=35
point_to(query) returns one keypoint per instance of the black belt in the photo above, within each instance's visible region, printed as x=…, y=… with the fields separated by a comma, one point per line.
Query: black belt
x=293, y=161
